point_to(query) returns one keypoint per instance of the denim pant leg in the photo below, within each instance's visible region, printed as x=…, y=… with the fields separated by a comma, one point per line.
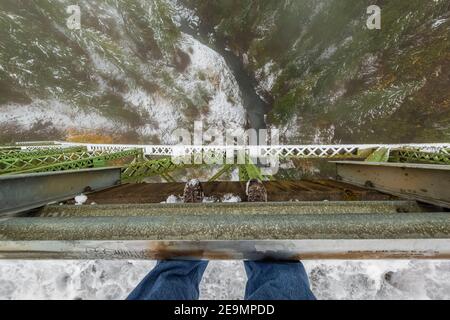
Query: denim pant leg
x=171, y=280
x=277, y=281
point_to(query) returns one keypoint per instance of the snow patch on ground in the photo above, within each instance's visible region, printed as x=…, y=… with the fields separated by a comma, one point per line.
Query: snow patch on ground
x=369, y=66
x=231, y=198
x=193, y=182
x=328, y=52
x=181, y=13
x=439, y=22
x=208, y=76
x=266, y=76
x=57, y=114
x=80, y=199
x=290, y=130
x=173, y=199
x=210, y=199
x=103, y=65
x=324, y=136
x=288, y=164
x=207, y=82
x=334, y=96
x=163, y=113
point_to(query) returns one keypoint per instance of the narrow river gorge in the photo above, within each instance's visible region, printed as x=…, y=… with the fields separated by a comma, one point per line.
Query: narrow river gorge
x=256, y=107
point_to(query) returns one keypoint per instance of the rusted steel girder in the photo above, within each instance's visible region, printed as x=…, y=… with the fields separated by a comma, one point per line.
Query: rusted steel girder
x=27, y=191
x=228, y=250
x=424, y=182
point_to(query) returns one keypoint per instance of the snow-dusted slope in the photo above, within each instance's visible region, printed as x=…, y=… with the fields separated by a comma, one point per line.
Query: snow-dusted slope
x=128, y=71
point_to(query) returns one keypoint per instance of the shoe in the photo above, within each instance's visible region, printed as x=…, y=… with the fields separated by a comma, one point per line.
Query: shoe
x=193, y=192
x=256, y=192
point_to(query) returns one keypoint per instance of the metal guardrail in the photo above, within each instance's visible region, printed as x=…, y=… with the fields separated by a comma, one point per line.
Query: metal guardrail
x=231, y=209
x=191, y=156
x=305, y=151
x=226, y=250
x=220, y=226
x=229, y=231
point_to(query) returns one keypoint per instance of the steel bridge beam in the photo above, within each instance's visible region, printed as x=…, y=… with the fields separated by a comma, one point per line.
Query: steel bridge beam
x=415, y=156
x=83, y=161
x=225, y=169
x=137, y=171
x=27, y=191
x=214, y=233
x=226, y=250
x=28, y=154
x=424, y=182
x=231, y=209
x=220, y=226
x=249, y=171
x=21, y=164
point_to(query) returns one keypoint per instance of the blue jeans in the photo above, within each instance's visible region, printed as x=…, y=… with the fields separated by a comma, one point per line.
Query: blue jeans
x=179, y=280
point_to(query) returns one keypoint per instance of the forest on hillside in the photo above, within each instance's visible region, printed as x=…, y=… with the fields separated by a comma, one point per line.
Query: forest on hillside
x=136, y=70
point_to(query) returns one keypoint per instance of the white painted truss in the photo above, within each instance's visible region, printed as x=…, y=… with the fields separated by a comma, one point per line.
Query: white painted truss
x=299, y=151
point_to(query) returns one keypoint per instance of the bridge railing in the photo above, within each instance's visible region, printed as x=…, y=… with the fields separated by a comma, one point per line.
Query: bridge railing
x=307, y=151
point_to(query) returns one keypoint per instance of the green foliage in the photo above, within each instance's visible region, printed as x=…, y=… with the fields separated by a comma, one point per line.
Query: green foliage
x=165, y=32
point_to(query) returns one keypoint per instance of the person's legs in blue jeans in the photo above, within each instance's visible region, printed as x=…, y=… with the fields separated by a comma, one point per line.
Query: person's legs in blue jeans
x=171, y=280
x=277, y=281
x=174, y=279
x=179, y=280
x=274, y=280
